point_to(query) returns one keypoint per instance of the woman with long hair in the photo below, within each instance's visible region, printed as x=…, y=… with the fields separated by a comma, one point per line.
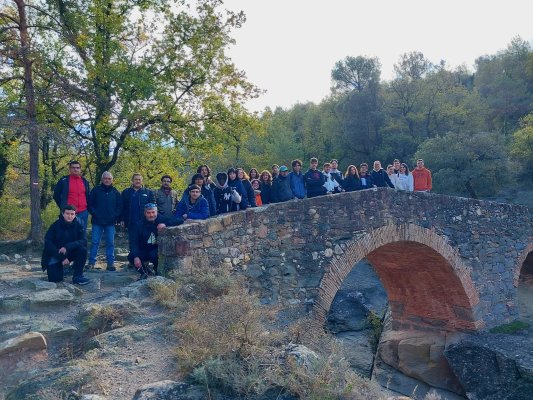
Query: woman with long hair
x=253, y=174
x=245, y=179
x=351, y=181
x=266, y=186
x=405, y=179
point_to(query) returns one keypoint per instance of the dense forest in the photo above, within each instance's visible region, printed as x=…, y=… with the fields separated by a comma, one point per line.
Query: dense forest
x=146, y=86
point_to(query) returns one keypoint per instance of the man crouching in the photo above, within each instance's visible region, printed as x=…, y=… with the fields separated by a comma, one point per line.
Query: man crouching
x=65, y=242
x=144, y=239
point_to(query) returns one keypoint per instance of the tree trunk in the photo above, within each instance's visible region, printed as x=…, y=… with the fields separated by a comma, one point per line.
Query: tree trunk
x=36, y=233
x=470, y=189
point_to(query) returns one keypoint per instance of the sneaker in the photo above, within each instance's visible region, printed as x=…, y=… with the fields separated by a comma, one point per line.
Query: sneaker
x=80, y=280
x=148, y=270
x=111, y=267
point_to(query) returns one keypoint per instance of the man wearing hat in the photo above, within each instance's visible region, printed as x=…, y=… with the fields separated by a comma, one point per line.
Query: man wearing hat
x=144, y=239
x=281, y=186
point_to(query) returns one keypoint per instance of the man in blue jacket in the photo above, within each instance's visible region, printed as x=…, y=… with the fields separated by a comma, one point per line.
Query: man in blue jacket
x=193, y=206
x=281, y=187
x=143, y=238
x=105, y=207
x=297, y=180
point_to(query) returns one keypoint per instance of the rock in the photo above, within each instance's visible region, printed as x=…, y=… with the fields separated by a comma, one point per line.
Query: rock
x=4, y=258
x=17, y=256
x=301, y=355
x=168, y=390
x=28, y=341
x=419, y=355
x=75, y=290
x=14, y=303
x=494, y=366
x=358, y=351
x=49, y=298
x=36, y=284
x=92, y=397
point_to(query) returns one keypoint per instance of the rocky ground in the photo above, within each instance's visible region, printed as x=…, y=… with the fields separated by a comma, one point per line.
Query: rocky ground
x=47, y=329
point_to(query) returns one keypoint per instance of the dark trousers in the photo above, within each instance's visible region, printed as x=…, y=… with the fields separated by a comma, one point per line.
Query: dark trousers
x=146, y=256
x=78, y=256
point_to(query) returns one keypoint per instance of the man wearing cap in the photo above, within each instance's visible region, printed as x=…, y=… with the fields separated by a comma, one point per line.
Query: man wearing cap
x=73, y=189
x=281, y=187
x=143, y=239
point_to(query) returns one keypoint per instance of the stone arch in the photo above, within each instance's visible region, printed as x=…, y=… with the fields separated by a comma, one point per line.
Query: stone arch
x=460, y=311
x=521, y=260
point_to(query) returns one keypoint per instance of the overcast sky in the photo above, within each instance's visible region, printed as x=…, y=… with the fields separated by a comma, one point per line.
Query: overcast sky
x=288, y=47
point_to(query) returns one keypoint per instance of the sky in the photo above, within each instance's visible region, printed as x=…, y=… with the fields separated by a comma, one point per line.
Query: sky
x=289, y=47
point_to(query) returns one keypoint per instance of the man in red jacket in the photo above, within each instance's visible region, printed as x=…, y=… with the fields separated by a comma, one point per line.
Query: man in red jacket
x=73, y=189
x=421, y=177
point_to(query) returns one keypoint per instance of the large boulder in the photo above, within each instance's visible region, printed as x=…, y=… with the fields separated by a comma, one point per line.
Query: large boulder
x=419, y=355
x=494, y=366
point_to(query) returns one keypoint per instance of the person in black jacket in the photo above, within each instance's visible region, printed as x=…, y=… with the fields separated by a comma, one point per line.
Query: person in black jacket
x=245, y=180
x=351, y=180
x=105, y=207
x=314, y=180
x=64, y=243
x=281, y=187
x=364, y=176
x=144, y=239
x=266, y=187
x=380, y=178
x=222, y=194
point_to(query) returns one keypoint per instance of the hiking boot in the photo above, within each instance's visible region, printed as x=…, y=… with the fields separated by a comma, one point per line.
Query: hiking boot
x=80, y=280
x=111, y=267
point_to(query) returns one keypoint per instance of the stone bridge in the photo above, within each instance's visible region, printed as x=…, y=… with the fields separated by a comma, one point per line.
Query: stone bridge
x=447, y=263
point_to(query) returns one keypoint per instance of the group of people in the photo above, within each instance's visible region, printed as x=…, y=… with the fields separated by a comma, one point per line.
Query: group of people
x=145, y=212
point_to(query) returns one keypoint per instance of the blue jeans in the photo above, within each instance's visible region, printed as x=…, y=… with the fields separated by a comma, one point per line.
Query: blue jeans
x=109, y=236
x=82, y=218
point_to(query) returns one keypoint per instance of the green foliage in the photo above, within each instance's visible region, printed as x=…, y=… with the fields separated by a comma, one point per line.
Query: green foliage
x=522, y=144
x=472, y=164
x=376, y=325
x=513, y=327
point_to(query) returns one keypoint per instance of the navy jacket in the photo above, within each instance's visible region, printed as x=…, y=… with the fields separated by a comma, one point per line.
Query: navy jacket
x=237, y=185
x=381, y=179
x=105, y=205
x=143, y=235
x=369, y=181
x=145, y=196
x=314, y=182
x=198, y=210
x=351, y=183
x=250, y=194
x=71, y=236
x=61, y=191
x=266, y=193
x=281, y=189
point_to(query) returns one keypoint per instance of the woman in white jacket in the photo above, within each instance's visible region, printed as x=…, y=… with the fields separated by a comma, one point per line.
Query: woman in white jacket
x=405, y=179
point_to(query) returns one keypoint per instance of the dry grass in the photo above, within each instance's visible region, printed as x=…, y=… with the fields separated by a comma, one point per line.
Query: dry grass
x=228, y=343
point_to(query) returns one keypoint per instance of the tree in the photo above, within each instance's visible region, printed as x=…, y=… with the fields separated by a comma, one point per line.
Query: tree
x=505, y=85
x=472, y=164
x=355, y=73
x=522, y=144
x=146, y=69
x=17, y=48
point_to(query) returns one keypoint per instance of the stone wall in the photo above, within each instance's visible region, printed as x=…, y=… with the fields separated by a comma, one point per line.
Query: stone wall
x=447, y=263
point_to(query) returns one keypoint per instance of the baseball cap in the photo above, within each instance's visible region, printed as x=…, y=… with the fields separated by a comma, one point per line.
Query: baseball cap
x=283, y=168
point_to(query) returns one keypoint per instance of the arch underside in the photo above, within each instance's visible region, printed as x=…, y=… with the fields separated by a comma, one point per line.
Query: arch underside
x=428, y=286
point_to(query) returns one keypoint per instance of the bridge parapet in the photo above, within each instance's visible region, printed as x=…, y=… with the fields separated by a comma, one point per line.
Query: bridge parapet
x=466, y=253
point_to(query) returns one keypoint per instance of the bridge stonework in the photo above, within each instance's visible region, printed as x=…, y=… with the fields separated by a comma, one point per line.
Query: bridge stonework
x=446, y=263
